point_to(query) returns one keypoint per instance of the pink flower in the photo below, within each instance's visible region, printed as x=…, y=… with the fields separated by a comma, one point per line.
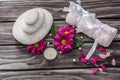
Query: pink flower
x=65, y=31
x=63, y=43
x=94, y=60
x=103, y=67
x=102, y=49
x=82, y=59
x=37, y=47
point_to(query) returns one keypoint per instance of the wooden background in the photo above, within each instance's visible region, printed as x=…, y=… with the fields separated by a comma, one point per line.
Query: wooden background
x=17, y=64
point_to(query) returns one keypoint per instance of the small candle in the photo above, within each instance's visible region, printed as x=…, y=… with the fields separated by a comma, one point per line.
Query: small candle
x=50, y=53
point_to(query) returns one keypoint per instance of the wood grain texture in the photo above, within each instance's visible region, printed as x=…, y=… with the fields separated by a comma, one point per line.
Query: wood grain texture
x=17, y=64
x=17, y=58
x=68, y=74
x=11, y=9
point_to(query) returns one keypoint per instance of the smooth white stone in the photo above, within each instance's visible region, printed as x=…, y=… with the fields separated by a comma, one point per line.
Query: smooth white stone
x=31, y=17
x=32, y=26
x=50, y=53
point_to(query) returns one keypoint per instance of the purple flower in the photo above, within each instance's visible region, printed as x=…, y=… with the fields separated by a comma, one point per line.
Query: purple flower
x=65, y=31
x=37, y=47
x=82, y=59
x=63, y=43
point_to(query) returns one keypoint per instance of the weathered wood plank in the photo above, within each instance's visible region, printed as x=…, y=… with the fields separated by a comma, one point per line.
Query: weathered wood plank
x=13, y=55
x=12, y=9
x=17, y=58
x=6, y=36
x=103, y=8
x=69, y=74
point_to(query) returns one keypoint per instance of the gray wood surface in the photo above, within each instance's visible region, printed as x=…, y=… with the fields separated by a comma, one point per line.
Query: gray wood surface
x=11, y=9
x=17, y=58
x=68, y=74
x=17, y=64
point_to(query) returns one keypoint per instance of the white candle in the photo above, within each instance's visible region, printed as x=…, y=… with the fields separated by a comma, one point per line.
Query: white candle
x=50, y=53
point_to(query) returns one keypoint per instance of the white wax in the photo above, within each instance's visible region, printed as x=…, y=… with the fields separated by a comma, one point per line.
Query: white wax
x=50, y=53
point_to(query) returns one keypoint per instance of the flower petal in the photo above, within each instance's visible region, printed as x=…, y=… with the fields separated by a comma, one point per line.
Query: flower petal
x=72, y=30
x=82, y=56
x=84, y=61
x=34, y=51
x=58, y=37
x=103, y=67
x=113, y=62
x=71, y=36
x=93, y=61
x=108, y=54
x=29, y=47
x=56, y=43
x=94, y=70
x=102, y=56
x=102, y=49
x=97, y=59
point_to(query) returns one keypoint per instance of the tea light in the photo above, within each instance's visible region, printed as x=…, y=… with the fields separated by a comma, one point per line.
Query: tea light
x=50, y=53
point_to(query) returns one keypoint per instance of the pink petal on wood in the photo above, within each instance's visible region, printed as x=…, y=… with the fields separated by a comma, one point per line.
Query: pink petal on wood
x=82, y=56
x=102, y=49
x=108, y=54
x=113, y=62
x=94, y=70
x=102, y=56
x=97, y=59
x=84, y=61
x=93, y=61
x=103, y=67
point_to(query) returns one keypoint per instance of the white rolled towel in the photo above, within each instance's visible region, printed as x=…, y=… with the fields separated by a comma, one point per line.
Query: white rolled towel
x=88, y=24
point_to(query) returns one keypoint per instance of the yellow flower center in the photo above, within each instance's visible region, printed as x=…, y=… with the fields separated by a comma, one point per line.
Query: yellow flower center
x=36, y=45
x=63, y=41
x=66, y=32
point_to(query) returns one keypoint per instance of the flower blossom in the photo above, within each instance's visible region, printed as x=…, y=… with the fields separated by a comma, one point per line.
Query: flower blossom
x=63, y=43
x=64, y=39
x=37, y=48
